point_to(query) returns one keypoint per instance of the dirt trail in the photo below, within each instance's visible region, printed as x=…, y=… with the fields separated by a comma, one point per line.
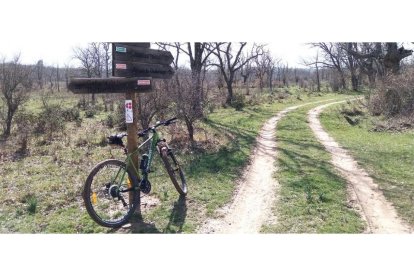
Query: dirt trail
x=379, y=214
x=256, y=192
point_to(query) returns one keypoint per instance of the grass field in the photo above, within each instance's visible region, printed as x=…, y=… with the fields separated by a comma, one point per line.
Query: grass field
x=387, y=156
x=41, y=191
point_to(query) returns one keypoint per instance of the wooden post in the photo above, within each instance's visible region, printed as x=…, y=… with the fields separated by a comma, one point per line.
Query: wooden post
x=132, y=139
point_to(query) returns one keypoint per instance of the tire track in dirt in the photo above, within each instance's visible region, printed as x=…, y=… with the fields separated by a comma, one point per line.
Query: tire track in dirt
x=257, y=188
x=367, y=198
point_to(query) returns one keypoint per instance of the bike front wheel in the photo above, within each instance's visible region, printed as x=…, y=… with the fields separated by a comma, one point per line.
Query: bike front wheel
x=111, y=194
x=174, y=170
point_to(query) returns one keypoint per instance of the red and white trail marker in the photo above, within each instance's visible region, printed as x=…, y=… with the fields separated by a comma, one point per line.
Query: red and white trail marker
x=129, y=115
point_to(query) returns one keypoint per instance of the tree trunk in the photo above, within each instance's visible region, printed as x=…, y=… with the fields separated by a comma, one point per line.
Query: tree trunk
x=261, y=84
x=394, y=56
x=318, y=82
x=9, y=119
x=371, y=79
x=271, y=80
x=198, y=90
x=354, y=81
x=229, y=99
x=343, y=81
x=190, y=130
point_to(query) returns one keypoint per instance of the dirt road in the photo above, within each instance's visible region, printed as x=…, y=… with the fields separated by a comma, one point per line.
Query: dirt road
x=257, y=188
x=368, y=199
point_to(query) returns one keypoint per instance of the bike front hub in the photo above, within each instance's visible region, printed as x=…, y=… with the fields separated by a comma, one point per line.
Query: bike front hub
x=114, y=191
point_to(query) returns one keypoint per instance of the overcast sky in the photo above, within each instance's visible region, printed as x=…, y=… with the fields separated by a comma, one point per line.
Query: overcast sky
x=49, y=30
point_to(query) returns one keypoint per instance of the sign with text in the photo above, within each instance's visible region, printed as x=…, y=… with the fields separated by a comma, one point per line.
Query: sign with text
x=131, y=60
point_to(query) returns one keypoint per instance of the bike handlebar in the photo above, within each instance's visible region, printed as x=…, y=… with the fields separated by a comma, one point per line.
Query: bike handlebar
x=117, y=138
x=142, y=133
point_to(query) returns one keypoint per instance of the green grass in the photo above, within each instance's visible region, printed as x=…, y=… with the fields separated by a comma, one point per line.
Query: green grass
x=388, y=157
x=312, y=196
x=53, y=174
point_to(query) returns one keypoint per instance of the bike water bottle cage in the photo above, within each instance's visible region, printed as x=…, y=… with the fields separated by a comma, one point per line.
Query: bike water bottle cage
x=144, y=162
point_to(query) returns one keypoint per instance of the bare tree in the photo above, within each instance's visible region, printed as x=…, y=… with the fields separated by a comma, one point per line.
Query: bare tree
x=387, y=55
x=246, y=71
x=181, y=92
x=95, y=49
x=40, y=73
x=57, y=78
x=85, y=57
x=107, y=55
x=261, y=68
x=272, y=64
x=198, y=54
x=150, y=105
x=94, y=60
x=351, y=63
x=285, y=75
x=67, y=74
x=14, y=85
x=333, y=57
x=230, y=61
x=314, y=64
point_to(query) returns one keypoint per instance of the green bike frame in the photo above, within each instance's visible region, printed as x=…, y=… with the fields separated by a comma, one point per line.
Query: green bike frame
x=154, y=139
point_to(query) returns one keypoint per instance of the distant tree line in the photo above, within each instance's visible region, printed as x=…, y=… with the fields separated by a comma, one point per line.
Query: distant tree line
x=218, y=74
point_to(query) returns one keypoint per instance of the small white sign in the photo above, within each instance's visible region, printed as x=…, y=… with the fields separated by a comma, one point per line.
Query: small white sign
x=129, y=116
x=121, y=66
x=144, y=82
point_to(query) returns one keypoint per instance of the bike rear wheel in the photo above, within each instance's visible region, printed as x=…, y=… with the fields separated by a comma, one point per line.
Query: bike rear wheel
x=109, y=193
x=174, y=170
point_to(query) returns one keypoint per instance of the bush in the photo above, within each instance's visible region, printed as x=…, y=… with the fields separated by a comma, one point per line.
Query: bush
x=71, y=114
x=90, y=112
x=239, y=101
x=394, y=96
x=24, y=122
x=110, y=121
x=82, y=103
x=50, y=120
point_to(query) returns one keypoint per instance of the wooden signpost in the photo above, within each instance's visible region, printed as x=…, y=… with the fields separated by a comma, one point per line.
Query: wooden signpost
x=134, y=66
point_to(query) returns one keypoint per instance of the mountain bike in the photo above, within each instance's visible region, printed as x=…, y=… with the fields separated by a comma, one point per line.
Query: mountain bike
x=112, y=190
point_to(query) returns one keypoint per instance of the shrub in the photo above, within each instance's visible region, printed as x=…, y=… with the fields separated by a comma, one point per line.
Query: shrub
x=394, y=96
x=24, y=122
x=239, y=101
x=71, y=114
x=82, y=103
x=50, y=120
x=90, y=112
x=109, y=121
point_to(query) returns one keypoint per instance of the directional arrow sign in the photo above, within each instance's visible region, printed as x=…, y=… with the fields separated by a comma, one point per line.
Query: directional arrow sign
x=132, y=69
x=123, y=52
x=132, y=60
x=109, y=85
x=135, y=44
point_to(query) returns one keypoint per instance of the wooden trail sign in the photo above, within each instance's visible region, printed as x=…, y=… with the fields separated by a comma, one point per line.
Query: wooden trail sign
x=124, y=52
x=132, y=69
x=128, y=60
x=135, y=44
x=109, y=85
